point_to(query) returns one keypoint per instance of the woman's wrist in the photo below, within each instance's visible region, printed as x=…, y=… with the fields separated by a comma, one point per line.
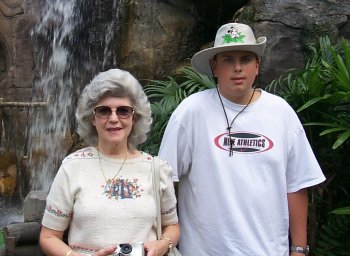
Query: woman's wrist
x=168, y=240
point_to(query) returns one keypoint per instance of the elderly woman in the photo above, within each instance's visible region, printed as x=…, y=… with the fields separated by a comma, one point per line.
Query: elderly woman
x=104, y=192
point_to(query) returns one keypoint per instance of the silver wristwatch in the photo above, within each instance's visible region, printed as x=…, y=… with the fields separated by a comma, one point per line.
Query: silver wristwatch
x=305, y=250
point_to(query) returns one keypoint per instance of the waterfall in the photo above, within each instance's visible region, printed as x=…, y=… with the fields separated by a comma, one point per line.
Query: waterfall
x=50, y=127
x=74, y=40
x=109, y=59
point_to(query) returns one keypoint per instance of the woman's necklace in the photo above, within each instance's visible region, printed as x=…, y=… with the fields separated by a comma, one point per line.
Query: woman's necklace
x=229, y=126
x=111, y=188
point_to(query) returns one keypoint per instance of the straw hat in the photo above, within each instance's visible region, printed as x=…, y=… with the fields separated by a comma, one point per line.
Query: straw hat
x=230, y=37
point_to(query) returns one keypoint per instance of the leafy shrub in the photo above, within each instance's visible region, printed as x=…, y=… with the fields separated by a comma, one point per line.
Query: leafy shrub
x=321, y=95
x=166, y=96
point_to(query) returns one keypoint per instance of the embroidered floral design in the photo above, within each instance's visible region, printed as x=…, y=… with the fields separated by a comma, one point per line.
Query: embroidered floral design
x=148, y=156
x=169, y=211
x=233, y=36
x=82, y=153
x=82, y=249
x=120, y=188
x=57, y=212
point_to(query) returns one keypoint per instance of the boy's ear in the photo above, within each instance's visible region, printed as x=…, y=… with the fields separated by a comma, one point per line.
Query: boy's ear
x=212, y=63
x=258, y=61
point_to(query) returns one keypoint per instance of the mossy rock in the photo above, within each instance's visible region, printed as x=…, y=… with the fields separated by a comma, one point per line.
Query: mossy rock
x=7, y=186
x=6, y=160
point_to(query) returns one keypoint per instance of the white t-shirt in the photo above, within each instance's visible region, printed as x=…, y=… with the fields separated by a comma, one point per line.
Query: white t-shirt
x=237, y=205
x=124, y=211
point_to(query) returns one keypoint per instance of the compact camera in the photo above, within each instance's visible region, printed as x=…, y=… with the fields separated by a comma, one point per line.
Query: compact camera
x=130, y=249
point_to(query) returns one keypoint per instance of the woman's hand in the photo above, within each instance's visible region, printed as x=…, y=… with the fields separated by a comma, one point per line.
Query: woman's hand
x=105, y=251
x=156, y=248
x=171, y=235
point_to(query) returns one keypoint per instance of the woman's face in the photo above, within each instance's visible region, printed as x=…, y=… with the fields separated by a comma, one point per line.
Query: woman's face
x=113, y=130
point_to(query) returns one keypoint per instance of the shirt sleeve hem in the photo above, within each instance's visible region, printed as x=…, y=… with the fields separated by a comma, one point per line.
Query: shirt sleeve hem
x=55, y=223
x=311, y=183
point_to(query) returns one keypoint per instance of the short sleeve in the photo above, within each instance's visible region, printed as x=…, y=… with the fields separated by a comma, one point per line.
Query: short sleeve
x=176, y=144
x=303, y=169
x=59, y=203
x=168, y=198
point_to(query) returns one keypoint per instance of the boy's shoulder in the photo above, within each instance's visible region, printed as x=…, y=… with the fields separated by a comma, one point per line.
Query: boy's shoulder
x=200, y=97
x=275, y=99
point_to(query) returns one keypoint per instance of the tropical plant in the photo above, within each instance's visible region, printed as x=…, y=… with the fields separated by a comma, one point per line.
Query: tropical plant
x=323, y=87
x=321, y=95
x=166, y=95
x=337, y=72
x=2, y=243
x=334, y=238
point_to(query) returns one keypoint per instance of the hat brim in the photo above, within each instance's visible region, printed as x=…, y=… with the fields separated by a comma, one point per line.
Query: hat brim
x=201, y=60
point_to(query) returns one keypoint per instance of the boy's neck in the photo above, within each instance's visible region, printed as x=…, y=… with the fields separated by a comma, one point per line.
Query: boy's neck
x=248, y=98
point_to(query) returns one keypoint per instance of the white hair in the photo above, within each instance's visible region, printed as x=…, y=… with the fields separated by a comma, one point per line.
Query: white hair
x=114, y=83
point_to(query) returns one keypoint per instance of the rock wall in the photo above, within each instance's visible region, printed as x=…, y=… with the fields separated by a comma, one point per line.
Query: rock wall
x=290, y=26
x=157, y=36
x=16, y=79
x=16, y=61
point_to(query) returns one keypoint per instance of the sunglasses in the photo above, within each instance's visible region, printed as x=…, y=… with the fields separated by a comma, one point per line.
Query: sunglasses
x=105, y=111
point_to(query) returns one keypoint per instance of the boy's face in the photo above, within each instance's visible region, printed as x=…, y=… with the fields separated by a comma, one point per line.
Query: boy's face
x=235, y=72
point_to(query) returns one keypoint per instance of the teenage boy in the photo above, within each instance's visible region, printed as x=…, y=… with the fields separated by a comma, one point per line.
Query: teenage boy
x=241, y=157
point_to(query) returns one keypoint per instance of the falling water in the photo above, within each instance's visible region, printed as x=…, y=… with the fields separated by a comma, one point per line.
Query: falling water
x=111, y=34
x=73, y=40
x=50, y=127
x=60, y=31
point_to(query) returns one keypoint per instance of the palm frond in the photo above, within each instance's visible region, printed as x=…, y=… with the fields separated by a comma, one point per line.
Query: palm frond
x=334, y=237
x=166, y=95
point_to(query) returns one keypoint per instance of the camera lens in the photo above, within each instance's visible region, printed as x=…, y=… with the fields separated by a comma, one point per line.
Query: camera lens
x=125, y=248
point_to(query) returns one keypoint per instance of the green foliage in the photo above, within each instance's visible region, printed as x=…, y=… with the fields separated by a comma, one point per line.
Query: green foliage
x=2, y=243
x=344, y=210
x=337, y=75
x=334, y=237
x=166, y=96
x=322, y=88
x=321, y=95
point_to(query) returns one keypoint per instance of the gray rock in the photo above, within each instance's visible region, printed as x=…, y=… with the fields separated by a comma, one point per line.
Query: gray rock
x=34, y=206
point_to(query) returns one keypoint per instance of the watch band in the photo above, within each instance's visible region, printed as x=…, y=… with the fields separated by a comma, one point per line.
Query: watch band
x=299, y=249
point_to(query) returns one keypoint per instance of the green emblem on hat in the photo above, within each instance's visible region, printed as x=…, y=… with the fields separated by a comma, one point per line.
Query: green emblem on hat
x=233, y=36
